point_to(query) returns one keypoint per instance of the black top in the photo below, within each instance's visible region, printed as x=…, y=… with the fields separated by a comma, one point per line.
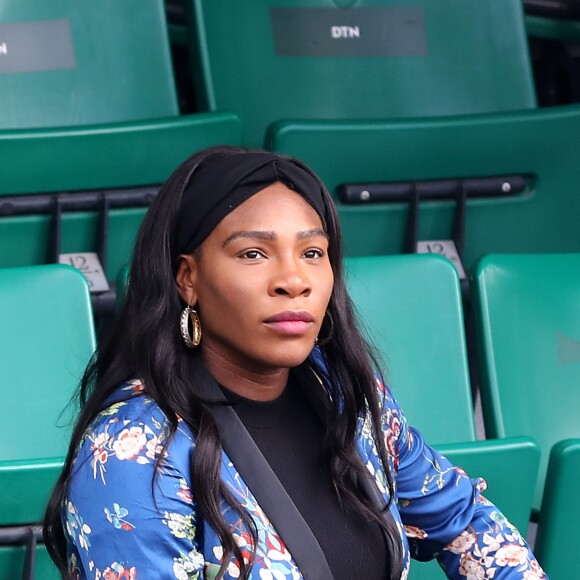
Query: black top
x=289, y=434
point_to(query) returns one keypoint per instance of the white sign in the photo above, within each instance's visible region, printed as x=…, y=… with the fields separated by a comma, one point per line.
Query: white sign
x=90, y=265
x=345, y=32
x=445, y=248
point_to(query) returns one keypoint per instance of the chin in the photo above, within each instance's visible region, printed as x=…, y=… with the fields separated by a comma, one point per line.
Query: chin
x=288, y=357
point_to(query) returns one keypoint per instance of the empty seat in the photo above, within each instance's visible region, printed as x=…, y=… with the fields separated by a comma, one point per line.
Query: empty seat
x=412, y=310
x=269, y=60
x=411, y=307
x=46, y=341
x=528, y=324
x=67, y=63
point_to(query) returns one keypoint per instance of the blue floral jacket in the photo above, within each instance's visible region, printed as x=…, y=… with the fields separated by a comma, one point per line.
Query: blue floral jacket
x=121, y=523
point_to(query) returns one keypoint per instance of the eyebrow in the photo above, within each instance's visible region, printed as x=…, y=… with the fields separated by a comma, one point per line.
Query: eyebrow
x=272, y=236
x=313, y=233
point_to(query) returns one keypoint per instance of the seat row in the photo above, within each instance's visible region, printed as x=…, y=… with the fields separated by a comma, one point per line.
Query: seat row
x=528, y=321
x=433, y=135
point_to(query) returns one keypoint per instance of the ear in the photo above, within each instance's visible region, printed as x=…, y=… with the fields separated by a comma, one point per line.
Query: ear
x=186, y=279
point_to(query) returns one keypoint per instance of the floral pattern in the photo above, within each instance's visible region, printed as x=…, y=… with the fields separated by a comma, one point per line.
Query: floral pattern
x=187, y=566
x=179, y=525
x=75, y=528
x=151, y=526
x=117, y=518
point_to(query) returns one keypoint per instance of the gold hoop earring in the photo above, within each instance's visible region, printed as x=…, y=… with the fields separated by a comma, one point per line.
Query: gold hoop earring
x=322, y=341
x=191, y=340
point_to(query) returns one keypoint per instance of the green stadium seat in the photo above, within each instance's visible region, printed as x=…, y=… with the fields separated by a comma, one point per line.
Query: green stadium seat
x=88, y=106
x=411, y=308
x=69, y=63
x=46, y=341
x=537, y=147
x=316, y=59
x=527, y=313
x=559, y=523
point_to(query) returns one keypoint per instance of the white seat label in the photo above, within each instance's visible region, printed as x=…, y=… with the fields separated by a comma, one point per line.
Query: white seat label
x=90, y=265
x=445, y=248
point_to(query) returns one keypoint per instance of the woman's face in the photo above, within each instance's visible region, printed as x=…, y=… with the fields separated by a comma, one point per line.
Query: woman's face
x=261, y=281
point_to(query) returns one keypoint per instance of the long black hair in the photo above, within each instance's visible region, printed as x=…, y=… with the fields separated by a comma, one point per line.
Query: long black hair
x=145, y=343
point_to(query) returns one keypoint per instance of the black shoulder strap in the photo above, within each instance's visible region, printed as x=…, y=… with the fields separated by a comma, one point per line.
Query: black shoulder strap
x=265, y=486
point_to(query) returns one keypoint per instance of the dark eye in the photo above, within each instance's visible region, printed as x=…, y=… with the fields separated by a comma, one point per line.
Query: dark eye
x=313, y=253
x=252, y=254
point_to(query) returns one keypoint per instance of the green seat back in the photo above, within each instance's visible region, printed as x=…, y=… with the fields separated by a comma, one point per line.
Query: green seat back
x=273, y=59
x=46, y=341
x=411, y=308
x=559, y=525
x=541, y=145
x=71, y=63
x=95, y=158
x=528, y=317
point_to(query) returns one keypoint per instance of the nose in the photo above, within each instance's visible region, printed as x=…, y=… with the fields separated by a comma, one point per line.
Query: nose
x=290, y=280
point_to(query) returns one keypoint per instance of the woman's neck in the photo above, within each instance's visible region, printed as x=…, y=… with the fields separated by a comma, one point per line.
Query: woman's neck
x=258, y=384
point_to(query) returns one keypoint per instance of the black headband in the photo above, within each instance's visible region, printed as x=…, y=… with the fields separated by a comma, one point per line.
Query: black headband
x=224, y=181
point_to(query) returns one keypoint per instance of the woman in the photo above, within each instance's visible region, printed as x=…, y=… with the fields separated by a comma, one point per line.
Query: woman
x=233, y=424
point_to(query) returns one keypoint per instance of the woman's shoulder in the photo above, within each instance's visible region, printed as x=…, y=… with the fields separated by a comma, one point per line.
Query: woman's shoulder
x=131, y=425
x=130, y=404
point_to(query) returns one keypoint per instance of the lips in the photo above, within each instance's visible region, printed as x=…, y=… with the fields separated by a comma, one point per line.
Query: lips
x=291, y=323
x=291, y=316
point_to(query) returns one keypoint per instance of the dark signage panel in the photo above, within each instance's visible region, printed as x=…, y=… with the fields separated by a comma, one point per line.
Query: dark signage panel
x=392, y=31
